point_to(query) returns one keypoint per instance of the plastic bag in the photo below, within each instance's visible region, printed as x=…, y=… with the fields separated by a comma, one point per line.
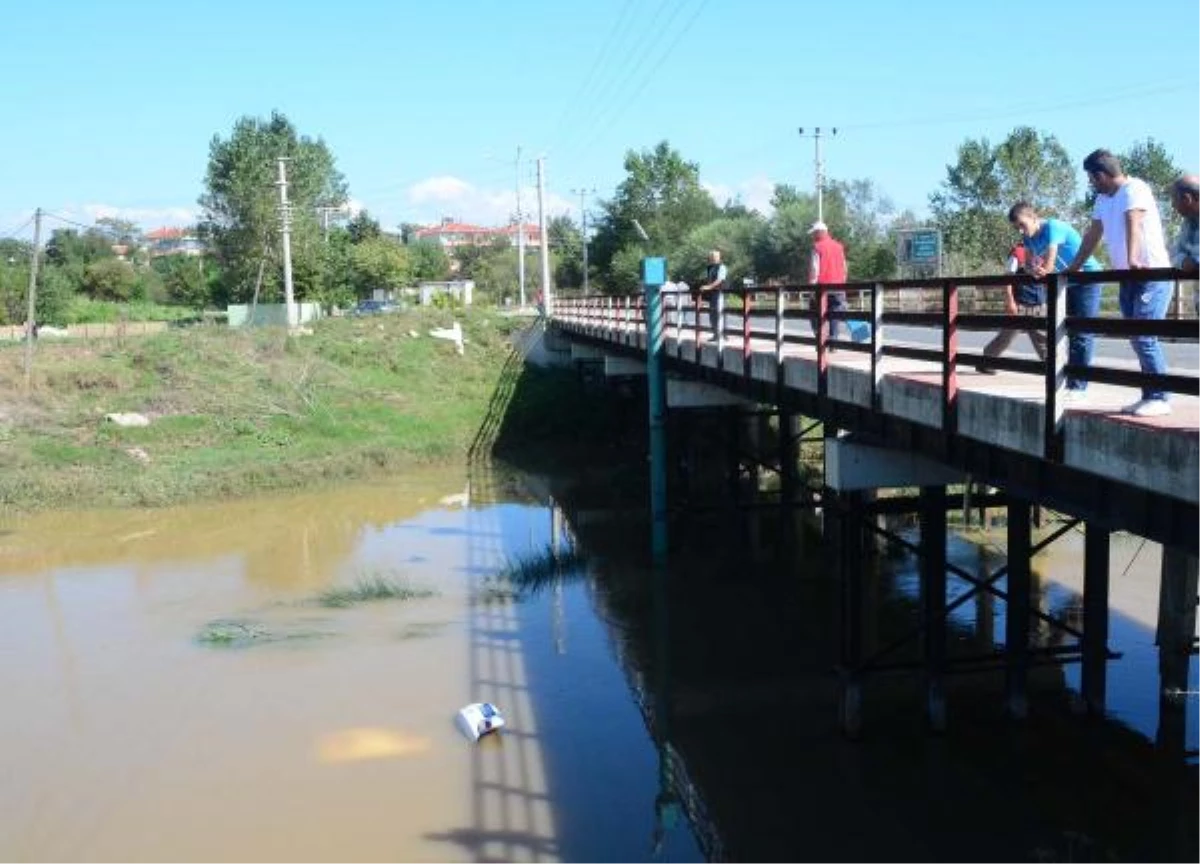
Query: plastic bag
x=478, y=719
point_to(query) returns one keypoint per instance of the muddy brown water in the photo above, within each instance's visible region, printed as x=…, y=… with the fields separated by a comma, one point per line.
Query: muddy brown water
x=327, y=733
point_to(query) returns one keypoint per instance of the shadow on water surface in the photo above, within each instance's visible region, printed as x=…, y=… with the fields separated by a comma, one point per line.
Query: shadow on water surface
x=750, y=701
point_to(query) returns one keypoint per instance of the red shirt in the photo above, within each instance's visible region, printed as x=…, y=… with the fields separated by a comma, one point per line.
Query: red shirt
x=831, y=261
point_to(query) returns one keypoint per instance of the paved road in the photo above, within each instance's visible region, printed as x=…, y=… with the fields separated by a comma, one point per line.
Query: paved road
x=1181, y=356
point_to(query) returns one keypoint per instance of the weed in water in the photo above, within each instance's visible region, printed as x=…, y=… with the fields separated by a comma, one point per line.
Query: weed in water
x=237, y=633
x=536, y=571
x=370, y=589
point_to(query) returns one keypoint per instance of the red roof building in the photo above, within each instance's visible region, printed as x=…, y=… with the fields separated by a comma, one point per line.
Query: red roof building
x=450, y=234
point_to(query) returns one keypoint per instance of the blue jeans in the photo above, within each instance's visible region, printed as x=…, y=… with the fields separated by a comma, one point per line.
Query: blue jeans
x=1083, y=301
x=1142, y=301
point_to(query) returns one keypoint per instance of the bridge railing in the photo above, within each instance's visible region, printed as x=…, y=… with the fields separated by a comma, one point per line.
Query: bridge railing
x=776, y=317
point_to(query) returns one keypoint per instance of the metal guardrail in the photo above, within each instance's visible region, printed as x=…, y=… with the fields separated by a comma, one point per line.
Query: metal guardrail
x=765, y=312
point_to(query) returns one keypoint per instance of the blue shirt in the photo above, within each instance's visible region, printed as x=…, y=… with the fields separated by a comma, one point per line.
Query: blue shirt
x=1056, y=233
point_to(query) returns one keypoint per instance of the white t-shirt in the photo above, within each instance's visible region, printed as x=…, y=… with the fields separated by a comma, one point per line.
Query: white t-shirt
x=1110, y=210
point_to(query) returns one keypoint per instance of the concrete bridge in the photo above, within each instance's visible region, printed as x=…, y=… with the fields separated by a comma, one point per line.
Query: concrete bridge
x=905, y=407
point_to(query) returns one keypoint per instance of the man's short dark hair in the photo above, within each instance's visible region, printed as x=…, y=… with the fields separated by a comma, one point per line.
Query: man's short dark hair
x=1187, y=186
x=1019, y=208
x=1102, y=162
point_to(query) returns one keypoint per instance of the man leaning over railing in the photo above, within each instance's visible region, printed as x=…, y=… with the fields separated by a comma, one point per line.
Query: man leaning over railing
x=1185, y=253
x=1052, y=245
x=1126, y=217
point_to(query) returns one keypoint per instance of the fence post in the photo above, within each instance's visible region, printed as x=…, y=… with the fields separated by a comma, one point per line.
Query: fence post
x=876, y=345
x=746, y=306
x=949, y=362
x=720, y=335
x=822, y=330
x=1056, y=361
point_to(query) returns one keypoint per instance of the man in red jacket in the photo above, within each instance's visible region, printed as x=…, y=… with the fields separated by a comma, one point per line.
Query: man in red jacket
x=828, y=267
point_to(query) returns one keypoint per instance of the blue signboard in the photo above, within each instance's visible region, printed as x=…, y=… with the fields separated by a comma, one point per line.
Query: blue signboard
x=654, y=271
x=920, y=247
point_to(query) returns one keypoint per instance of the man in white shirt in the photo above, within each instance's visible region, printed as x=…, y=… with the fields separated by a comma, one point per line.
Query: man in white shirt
x=1126, y=216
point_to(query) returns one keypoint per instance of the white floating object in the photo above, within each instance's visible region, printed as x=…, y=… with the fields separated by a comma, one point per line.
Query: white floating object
x=478, y=719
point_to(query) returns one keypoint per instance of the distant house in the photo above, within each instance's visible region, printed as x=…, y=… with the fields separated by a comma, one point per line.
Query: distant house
x=173, y=241
x=451, y=235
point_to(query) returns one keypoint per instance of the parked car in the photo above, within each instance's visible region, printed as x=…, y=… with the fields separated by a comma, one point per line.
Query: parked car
x=374, y=307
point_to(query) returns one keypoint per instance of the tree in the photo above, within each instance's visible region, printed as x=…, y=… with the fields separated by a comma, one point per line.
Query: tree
x=120, y=231
x=362, y=227
x=239, y=205
x=430, y=263
x=566, y=239
x=185, y=281
x=109, y=279
x=735, y=237
x=662, y=192
x=971, y=208
x=380, y=263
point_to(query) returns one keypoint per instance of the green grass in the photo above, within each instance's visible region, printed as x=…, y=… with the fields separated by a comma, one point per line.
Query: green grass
x=84, y=310
x=241, y=412
x=370, y=589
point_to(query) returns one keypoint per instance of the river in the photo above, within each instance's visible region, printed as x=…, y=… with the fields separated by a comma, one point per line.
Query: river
x=174, y=689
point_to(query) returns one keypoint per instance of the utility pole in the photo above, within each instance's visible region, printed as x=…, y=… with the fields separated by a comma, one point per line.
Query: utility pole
x=285, y=222
x=31, y=319
x=583, y=193
x=520, y=231
x=819, y=167
x=544, y=240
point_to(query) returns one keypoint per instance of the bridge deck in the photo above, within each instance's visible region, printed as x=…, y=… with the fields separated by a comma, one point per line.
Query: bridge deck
x=1006, y=410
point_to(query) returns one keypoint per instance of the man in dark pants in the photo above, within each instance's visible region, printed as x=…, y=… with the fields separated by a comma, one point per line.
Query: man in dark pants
x=715, y=281
x=1029, y=300
x=828, y=267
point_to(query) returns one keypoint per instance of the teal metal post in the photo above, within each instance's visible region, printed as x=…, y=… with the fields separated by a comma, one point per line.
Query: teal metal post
x=654, y=274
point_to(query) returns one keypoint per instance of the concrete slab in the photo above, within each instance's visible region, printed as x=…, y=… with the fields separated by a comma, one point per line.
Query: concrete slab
x=682, y=393
x=733, y=360
x=623, y=366
x=850, y=466
x=1123, y=448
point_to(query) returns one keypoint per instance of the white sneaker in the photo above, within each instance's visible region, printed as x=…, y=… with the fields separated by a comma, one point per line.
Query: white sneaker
x=1075, y=397
x=1149, y=408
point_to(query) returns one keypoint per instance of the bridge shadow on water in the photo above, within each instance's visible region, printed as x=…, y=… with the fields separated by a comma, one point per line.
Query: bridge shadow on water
x=726, y=711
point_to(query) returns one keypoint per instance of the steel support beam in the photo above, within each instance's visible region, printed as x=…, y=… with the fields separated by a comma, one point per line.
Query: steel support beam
x=1016, y=627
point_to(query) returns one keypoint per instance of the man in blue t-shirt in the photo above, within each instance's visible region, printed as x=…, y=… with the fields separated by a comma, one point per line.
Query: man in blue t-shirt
x=1052, y=245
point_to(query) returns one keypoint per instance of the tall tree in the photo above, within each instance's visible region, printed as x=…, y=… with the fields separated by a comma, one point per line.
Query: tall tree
x=566, y=239
x=430, y=263
x=363, y=227
x=971, y=207
x=239, y=205
x=662, y=191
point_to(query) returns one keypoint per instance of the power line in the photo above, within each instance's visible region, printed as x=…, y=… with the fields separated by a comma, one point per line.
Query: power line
x=1121, y=95
x=623, y=107
x=608, y=95
x=573, y=104
x=14, y=232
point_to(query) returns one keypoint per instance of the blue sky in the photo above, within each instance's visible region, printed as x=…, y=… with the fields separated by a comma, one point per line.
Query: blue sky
x=110, y=107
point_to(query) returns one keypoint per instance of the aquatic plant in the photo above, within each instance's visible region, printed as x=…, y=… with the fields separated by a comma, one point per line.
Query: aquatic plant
x=370, y=589
x=532, y=572
x=240, y=633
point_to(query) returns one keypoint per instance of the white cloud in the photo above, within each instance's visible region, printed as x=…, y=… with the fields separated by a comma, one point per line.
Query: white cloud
x=754, y=193
x=433, y=198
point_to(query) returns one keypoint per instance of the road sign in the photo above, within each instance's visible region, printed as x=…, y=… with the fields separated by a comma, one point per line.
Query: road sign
x=922, y=246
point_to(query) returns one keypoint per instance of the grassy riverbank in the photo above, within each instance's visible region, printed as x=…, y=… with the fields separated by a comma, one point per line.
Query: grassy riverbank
x=233, y=412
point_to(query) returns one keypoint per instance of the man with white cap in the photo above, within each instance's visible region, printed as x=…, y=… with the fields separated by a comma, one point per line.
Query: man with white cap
x=828, y=267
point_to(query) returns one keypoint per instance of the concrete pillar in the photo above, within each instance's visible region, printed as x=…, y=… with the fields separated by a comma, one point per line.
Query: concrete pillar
x=1095, y=617
x=1176, y=633
x=1016, y=626
x=933, y=601
x=789, y=469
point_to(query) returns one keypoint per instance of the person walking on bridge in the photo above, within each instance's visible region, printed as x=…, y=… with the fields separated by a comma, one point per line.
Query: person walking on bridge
x=1052, y=244
x=1185, y=253
x=1126, y=217
x=1025, y=300
x=827, y=266
x=715, y=281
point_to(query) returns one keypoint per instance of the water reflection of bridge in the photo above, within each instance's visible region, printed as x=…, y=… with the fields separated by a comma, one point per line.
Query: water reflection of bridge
x=732, y=670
